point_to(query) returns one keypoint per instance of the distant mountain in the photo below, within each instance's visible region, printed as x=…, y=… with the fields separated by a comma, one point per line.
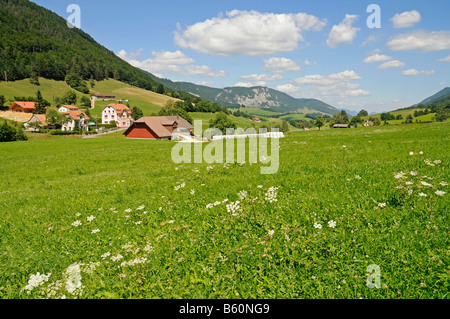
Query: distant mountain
x=350, y=112
x=443, y=96
x=255, y=97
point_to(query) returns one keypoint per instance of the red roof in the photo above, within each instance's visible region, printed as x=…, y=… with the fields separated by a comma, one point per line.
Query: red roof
x=120, y=108
x=157, y=124
x=76, y=115
x=70, y=107
x=25, y=105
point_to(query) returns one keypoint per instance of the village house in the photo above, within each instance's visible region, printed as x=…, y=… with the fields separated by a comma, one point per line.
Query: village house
x=77, y=119
x=119, y=113
x=256, y=119
x=67, y=108
x=158, y=127
x=40, y=118
x=368, y=124
x=23, y=107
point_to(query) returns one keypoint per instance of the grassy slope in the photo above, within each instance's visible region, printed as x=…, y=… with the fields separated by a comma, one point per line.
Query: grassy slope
x=148, y=101
x=207, y=253
x=404, y=113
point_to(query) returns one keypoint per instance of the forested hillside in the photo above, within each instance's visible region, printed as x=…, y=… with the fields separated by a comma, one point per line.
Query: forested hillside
x=36, y=42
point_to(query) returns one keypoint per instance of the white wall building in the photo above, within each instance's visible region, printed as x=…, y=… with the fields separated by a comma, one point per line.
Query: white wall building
x=119, y=113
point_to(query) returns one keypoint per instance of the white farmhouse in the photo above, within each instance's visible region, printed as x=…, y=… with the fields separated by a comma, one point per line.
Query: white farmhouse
x=119, y=113
x=76, y=119
x=67, y=108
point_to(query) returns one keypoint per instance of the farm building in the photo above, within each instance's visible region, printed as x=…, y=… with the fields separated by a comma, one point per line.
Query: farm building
x=37, y=118
x=103, y=97
x=77, y=119
x=67, y=108
x=341, y=126
x=256, y=119
x=119, y=113
x=23, y=107
x=158, y=127
x=368, y=124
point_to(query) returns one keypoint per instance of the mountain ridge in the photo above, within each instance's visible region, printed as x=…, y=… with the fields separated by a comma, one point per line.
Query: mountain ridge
x=256, y=97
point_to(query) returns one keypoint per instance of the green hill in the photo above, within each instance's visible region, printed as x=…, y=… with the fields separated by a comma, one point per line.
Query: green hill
x=36, y=42
x=149, y=102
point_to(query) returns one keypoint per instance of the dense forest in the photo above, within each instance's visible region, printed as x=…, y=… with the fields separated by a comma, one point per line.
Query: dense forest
x=36, y=42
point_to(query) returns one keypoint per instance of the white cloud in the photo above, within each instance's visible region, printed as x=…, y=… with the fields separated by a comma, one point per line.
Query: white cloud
x=261, y=77
x=169, y=62
x=370, y=39
x=288, y=88
x=248, y=33
x=338, y=86
x=281, y=65
x=406, y=19
x=391, y=64
x=377, y=58
x=421, y=40
x=446, y=59
x=412, y=72
x=245, y=84
x=344, y=32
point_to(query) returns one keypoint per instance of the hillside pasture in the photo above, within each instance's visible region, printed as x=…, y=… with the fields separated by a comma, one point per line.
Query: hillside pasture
x=136, y=225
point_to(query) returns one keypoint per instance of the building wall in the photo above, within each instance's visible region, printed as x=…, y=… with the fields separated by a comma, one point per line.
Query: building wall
x=141, y=131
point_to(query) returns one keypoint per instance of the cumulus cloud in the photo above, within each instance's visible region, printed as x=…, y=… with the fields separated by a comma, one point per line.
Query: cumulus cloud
x=336, y=86
x=169, y=62
x=421, y=40
x=378, y=58
x=413, y=72
x=446, y=59
x=288, y=88
x=391, y=64
x=261, y=77
x=406, y=19
x=343, y=32
x=248, y=33
x=281, y=65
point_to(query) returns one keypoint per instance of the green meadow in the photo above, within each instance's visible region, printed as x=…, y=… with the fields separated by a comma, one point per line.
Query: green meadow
x=135, y=225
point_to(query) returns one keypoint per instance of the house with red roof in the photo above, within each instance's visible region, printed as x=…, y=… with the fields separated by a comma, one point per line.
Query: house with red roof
x=67, y=108
x=76, y=119
x=158, y=127
x=23, y=107
x=119, y=113
x=40, y=118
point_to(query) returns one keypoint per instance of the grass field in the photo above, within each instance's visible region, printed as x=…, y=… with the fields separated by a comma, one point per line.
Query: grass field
x=149, y=102
x=136, y=225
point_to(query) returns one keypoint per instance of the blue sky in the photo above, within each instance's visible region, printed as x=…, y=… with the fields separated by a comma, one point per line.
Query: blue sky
x=311, y=49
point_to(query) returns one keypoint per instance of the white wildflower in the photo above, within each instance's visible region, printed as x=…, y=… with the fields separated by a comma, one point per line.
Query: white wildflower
x=332, y=224
x=116, y=258
x=422, y=195
x=426, y=184
x=242, y=194
x=36, y=281
x=95, y=231
x=140, y=207
x=77, y=223
x=399, y=175
x=192, y=191
x=271, y=195
x=233, y=207
x=271, y=232
x=382, y=205
x=440, y=193
x=106, y=255
x=413, y=173
x=443, y=184
x=317, y=225
x=90, y=218
x=411, y=153
x=357, y=177
x=128, y=210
